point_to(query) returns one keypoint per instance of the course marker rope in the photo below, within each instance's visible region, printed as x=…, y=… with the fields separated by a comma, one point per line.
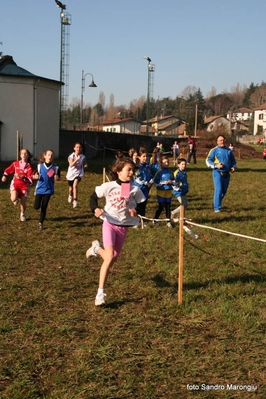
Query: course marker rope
x=223, y=231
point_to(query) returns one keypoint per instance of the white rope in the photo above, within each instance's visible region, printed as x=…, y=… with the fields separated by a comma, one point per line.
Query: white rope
x=224, y=231
x=152, y=220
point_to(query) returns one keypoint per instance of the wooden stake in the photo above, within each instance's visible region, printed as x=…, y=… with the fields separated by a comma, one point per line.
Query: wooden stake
x=103, y=175
x=181, y=251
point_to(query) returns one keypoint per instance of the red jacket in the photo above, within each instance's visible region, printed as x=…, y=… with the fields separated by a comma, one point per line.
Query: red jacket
x=23, y=174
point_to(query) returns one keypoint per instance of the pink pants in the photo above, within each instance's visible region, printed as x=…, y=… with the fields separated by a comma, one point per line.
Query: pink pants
x=114, y=235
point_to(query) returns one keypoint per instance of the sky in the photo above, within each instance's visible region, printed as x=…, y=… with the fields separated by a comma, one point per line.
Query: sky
x=201, y=43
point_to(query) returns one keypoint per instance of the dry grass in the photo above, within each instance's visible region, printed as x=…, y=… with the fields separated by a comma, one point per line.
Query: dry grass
x=55, y=344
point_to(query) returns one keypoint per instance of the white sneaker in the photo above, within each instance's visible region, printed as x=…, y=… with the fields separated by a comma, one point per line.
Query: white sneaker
x=99, y=299
x=23, y=218
x=69, y=200
x=92, y=251
x=75, y=204
x=169, y=225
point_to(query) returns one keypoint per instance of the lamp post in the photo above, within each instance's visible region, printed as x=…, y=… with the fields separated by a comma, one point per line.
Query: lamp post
x=92, y=84
x=149, y=91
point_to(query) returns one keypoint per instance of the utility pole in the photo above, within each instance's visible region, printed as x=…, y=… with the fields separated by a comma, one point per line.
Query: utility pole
x=196, y=120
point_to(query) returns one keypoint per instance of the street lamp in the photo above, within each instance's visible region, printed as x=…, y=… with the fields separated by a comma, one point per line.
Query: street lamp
x=92, y=84
x=149, y=91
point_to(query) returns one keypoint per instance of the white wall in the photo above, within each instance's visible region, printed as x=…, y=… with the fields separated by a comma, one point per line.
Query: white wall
x=30, y=105
x=260, y=122
x=123, y=127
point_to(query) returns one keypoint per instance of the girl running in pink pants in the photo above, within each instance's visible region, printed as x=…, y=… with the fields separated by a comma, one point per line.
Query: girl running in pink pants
x=118, y=214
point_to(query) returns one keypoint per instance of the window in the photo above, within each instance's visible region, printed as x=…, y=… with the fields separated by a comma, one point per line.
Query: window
x=114, y=129
x=260, y=116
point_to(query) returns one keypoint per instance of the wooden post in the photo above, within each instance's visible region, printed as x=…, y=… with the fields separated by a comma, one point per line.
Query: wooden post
x=103, y=175
x=18, y=144
x=181, y=251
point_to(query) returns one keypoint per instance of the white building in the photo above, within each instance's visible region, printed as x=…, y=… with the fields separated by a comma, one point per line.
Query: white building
x=121, y=125
x=243, y=114
x=29, y=104
x=260, y=120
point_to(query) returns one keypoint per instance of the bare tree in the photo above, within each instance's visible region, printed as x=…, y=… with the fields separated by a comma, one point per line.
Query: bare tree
x=211, y=93
x=258, y=97
x=237, y=95
x=101, y=99
x=188, y=92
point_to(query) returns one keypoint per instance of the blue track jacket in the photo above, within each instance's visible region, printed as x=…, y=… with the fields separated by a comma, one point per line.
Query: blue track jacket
x=221, y=155
x=143, y=178
x=181, y=184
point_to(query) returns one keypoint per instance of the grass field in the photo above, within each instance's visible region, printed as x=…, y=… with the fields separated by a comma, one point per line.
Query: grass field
x=56, y=344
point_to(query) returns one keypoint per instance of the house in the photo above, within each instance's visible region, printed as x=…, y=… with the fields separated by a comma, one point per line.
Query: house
x=239, y=126
x=29, y=108
x=122, y=125
x=218, y=124
x=168, y=125
x=260, y=120
x=243, y=114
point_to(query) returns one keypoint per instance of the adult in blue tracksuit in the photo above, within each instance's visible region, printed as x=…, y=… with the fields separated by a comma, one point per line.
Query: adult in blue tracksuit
x=222, y=161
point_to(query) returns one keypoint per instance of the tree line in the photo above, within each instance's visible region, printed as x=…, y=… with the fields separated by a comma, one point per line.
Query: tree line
x=183, y=106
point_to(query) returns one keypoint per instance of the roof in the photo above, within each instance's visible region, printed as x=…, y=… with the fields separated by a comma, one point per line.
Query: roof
x=244, y=110
x=117, y=121
x=169, y=124
x=260, y=108
x=160, y=118
x=212, y=118
x=8, y=67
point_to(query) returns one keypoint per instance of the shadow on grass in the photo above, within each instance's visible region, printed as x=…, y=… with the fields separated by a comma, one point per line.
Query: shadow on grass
x=244, y=278
x=114, y=305
x=73, y=217
x=160, y=281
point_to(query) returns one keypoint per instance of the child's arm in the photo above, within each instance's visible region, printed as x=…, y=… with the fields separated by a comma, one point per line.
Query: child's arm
x=85, y=165
x=57, y=175
x=94, y=205
x=72, y=161
x=8, y=171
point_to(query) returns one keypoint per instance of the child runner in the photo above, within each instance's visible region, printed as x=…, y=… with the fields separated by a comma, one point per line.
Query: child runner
x=22, y=180
x=77, y=162
x=181, y=185
x=163, y=180
x=155, y=161
x=119, y=213
x=119, y=155
x=133, y=154
x=46, y=175
x=143, y=180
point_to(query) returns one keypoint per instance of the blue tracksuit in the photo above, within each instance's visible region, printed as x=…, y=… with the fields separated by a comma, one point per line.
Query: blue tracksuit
x=221, y=177
x=181, y=186
x=143, y=178
x=164, y=191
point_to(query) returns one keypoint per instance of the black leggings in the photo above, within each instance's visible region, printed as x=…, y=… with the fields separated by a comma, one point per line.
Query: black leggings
x=42, y=201
x=141, y=208
x=162, y=205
